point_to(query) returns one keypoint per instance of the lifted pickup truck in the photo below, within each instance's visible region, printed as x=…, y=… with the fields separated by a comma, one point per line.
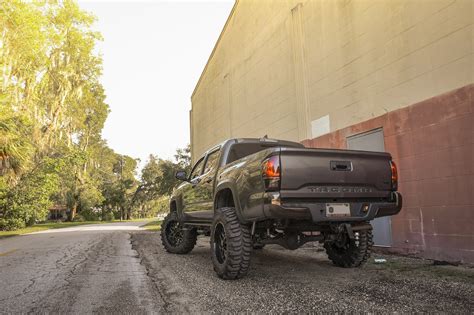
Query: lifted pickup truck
x=246, y=193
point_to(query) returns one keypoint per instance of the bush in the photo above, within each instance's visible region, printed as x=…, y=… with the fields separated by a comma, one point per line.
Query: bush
x=90, y=215
x=109, y=216
x=11, y=224
x=78, y=218
x=28, y=201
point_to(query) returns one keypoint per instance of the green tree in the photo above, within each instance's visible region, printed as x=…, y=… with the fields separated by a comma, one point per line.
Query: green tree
x=52, y=111
x=15, y=146
x=158, y=181
x=183, y=158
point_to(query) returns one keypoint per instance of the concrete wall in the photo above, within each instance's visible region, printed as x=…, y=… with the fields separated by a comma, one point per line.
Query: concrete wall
x=320, y=71
x=279, y=66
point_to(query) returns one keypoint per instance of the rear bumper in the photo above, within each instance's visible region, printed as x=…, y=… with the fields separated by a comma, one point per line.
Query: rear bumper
x=316, y=211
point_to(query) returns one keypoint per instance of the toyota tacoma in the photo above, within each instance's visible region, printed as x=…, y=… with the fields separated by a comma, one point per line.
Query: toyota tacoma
x=246, y=193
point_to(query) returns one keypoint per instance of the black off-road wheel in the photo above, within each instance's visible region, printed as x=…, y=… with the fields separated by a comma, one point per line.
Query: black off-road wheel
x=175, y=238
x=231, y=245
x=350, y=253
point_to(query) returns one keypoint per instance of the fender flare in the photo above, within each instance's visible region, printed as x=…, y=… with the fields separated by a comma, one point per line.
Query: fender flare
x=179, y=205
x=231, y=186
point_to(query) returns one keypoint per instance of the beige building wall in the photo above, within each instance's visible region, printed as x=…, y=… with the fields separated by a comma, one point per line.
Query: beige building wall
x=298, y=69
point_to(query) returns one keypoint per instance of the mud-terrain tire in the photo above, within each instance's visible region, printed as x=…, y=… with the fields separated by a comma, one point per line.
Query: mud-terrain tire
x=175, y=238
x=231, y=245
x=353, y=253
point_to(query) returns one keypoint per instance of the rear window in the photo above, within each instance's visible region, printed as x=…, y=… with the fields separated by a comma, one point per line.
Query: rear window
x=241, y=150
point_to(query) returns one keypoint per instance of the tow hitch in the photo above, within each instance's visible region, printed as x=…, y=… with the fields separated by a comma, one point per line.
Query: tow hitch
x=346, y=229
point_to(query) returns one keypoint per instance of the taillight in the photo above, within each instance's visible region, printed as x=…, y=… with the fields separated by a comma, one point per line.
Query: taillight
x=271, y=172
x=393, y=167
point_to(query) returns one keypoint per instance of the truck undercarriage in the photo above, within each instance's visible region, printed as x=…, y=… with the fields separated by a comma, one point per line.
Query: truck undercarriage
x=347, y=244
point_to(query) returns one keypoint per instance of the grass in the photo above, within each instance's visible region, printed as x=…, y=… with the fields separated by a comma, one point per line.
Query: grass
x=45, y=226
x=153, y=225
x=132, y=220
x=425, y=267
x=58, y=225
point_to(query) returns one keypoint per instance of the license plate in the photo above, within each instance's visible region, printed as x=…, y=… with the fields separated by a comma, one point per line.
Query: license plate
x=338, y=210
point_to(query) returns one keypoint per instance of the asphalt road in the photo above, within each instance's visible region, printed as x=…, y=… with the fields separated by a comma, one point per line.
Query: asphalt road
x=85, y=269
x=119, y=269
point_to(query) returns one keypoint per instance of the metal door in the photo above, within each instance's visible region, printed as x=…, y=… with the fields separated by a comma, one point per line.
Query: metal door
x=373, y=141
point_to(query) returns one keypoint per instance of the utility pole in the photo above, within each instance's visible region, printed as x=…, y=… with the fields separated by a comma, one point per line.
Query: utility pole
x=121, y=185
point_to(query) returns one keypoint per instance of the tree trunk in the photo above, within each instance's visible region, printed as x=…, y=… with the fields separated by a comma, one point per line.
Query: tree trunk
x=73, y=212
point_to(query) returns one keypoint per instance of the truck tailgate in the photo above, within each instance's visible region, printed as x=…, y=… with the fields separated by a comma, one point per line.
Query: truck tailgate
x=326, y=173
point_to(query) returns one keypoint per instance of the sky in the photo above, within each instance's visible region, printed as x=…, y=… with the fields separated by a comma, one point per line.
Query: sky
x=153, y=55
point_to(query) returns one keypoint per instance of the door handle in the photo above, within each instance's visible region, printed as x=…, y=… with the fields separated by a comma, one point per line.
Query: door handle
x=341, y=165
x=198, y=180
x=195, y=181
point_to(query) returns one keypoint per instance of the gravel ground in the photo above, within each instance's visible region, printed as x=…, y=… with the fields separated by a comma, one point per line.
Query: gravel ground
x=303, y=281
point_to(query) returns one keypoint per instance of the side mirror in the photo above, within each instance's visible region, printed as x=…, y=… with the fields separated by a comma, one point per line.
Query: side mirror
x=181, y=175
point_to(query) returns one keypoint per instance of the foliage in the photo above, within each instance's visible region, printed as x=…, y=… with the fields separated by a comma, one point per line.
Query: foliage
x=30, y=198
x=108, y=217
x=162, y=204
x=158, y=180
x=11, y=224
x=78, y=218
x=183, y=158
x=15, y=146
x=52, y=111
x=158, y=176
x=89, y=215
